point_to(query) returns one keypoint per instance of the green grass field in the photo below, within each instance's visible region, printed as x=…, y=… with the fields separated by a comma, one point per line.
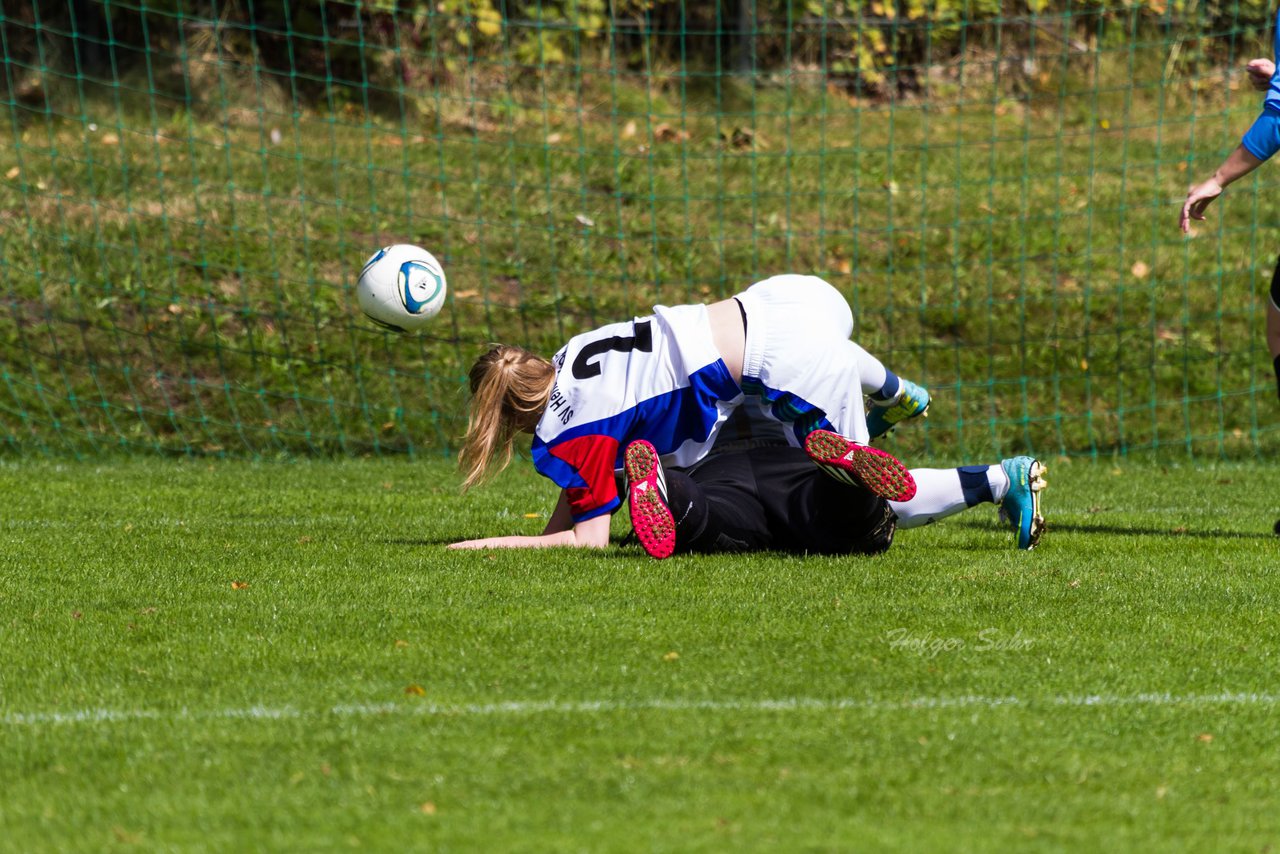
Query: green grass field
x=236, y=656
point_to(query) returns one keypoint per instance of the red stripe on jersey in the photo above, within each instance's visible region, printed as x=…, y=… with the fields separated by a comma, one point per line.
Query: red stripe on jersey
x=593, y=458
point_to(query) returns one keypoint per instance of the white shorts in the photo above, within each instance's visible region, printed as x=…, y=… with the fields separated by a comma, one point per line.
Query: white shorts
x=799, y=362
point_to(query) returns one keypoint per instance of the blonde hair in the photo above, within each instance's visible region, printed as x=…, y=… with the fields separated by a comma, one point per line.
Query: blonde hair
x=510, y=388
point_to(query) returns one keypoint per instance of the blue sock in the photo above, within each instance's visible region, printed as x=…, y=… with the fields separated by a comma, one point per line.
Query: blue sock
x=974, y=485
x=890, y=389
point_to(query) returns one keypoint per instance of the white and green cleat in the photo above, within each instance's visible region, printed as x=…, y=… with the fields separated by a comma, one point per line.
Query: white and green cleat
x=912, y=402
x=1021, y=505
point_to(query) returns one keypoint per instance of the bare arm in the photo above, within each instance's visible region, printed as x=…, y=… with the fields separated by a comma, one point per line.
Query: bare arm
x=560, y=531
x=1238, y=164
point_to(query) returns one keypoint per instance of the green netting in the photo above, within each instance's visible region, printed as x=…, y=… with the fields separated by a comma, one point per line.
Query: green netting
x=187, y=190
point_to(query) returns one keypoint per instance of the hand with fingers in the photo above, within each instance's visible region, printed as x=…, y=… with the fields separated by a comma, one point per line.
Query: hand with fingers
x=1199, y=197
x=1260, y=73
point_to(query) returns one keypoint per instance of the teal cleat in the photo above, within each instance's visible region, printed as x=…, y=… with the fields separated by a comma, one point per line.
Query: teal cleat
x=1021, y=505
x=913, y=400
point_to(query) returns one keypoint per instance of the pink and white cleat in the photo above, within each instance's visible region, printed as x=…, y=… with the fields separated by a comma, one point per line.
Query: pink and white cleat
x=651, y=518
x=860, y=465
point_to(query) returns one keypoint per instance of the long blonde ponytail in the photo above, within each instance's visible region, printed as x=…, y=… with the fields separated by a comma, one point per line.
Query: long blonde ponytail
x=509, y=391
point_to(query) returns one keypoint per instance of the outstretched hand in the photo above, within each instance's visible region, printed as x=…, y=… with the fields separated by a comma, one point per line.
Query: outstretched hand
x=1260, y=73
x=1199, y=197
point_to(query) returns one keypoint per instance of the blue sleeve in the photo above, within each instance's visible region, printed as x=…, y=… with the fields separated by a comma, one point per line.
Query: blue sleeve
x=1263, y=138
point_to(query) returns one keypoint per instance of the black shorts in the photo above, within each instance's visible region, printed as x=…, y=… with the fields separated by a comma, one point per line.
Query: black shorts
x=774, y=498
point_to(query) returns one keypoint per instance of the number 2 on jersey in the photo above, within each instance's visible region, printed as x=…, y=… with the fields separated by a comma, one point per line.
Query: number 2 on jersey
x=584, y=368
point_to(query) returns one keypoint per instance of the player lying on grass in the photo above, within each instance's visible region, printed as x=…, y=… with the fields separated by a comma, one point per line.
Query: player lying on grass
x=773, y=497
x=672, y=378
x=1258, y=145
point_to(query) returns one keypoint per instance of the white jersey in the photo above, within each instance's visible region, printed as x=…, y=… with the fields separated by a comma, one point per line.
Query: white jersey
x=661, y=378
x=658, y=378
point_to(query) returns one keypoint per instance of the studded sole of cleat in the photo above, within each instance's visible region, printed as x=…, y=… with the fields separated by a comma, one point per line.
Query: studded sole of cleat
x=860, y=465
x=651, y=519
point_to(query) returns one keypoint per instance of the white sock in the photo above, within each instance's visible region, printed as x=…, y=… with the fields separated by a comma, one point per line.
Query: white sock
x=945, y=492
x=871, y=371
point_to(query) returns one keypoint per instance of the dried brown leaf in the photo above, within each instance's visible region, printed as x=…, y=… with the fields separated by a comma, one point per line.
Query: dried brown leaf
x=742, y=138
x=666, y=133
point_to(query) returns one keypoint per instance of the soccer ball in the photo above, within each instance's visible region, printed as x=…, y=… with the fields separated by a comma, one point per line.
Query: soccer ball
x=401, y=287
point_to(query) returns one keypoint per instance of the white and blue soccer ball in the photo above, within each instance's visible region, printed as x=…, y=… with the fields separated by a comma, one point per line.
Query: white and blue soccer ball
x=401, y=287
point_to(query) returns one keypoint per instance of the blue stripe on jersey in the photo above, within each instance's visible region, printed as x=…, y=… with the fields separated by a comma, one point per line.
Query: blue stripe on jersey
x=564, y=475
x=667, y=421
x=802, y=415
x=599, y=511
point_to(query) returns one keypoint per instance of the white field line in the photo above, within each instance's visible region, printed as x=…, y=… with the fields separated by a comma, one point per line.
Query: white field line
x=409, y=708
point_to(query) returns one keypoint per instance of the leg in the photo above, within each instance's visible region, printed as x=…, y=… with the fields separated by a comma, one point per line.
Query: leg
x=1273, y=323
x=945, y=492
x=1273, y=331
x=893, y=399
x=1273, y=341
x=1015, y=485
x=877, y=381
